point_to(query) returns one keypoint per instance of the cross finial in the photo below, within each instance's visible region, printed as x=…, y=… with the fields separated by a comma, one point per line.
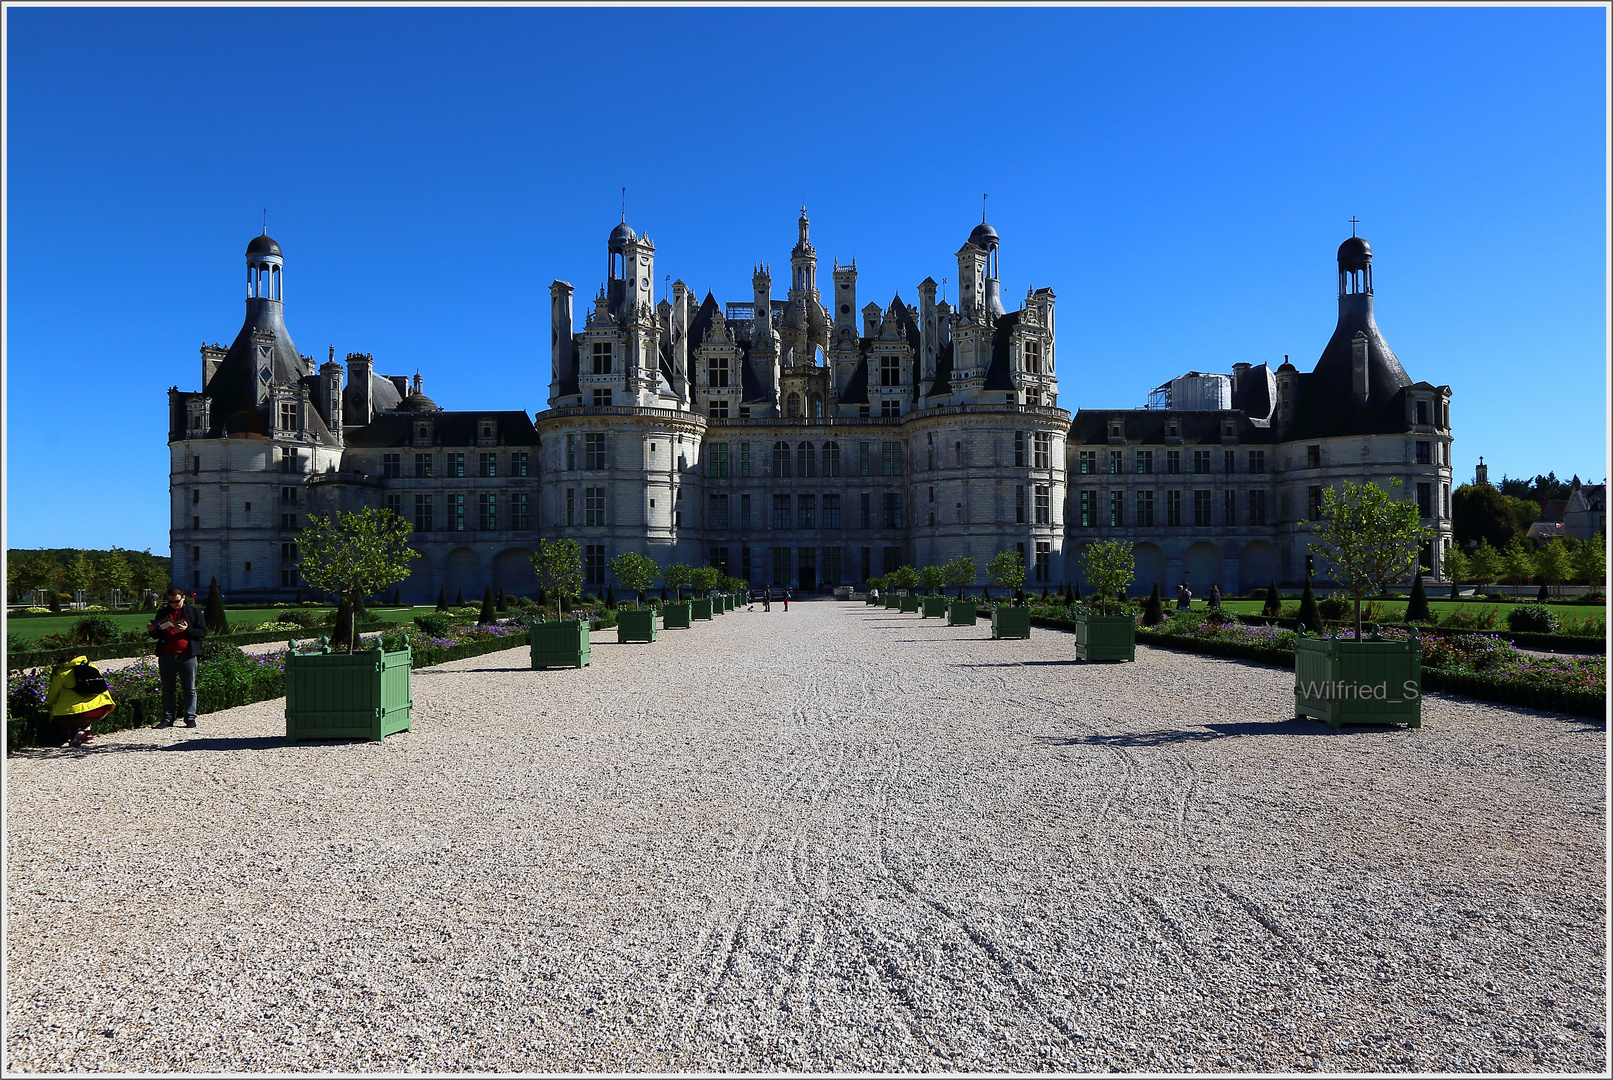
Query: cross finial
x=983, y=199
x=943, y=290
x=1353, y=222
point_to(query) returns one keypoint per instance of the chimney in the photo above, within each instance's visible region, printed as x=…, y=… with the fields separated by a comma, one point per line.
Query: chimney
x=1239, y=372
x=360, y=372
x=562, y=360
x=1481, y=473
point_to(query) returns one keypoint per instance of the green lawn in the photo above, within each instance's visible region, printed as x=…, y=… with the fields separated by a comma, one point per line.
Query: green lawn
x=32, y=629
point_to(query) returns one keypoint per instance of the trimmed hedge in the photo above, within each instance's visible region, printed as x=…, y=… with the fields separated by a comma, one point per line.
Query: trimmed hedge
x=1578, y=644
x=122, y=650
x=1550, y=699
x=221, y=685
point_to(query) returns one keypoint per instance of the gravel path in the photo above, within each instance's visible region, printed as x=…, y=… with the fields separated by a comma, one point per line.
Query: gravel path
x=837, y=838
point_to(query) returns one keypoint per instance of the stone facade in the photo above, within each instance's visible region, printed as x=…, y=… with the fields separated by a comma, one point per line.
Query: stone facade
x=795, y=441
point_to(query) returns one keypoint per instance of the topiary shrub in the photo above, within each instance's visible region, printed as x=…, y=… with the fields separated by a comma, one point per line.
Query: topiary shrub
x=435, y=623
x=1532, y=619
x=95, y=630
x=1334, y=608
x=1154, y=610
x=1417, y=610
x=442, y=598
x=1310, y=619
x=217, y=621
x=1273, y=601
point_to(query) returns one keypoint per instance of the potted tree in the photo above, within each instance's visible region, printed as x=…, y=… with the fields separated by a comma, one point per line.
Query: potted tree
x=351, y=695
x=676, y=613
x=1371, y=539
x=563, y=642
x=905, y=579
x=1104, y=630
x=961, y=572
x=935, y=602
x=1006, y=570
x=634, y=572
x=704, y=579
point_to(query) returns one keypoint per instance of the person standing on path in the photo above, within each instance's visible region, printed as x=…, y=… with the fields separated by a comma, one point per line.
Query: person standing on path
x=786, y=599
x=179, y=630
x=1215, y=597
x=767, y=599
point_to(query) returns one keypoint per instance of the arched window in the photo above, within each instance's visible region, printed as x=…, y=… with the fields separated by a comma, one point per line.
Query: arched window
x=831, y=459
x=781, y=458
x=816, y=409
x=805, y=463
x=792, y=405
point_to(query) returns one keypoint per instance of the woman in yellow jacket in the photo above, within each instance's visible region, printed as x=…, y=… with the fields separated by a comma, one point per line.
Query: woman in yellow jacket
x=78, y=696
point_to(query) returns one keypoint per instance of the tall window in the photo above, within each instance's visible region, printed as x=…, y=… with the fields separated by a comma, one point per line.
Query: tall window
x=806, y=461
x=1019, y=504
x=1231, y=500
x=487, y=511
x=867, y=561
x=1145, y=508
x=1019, y=450
x=391, y=465
x=1257, y=461
x=1202, y=505
x=1228, y=459
x=1117, y=508
x=1173, y=461
x=744, y=563
x=1044, y=506
x=781, y=458
x=571, y=506
x=519, y=464
x=593, y=506
x=601, y=358
x=862, y=459
x=1425, y=452
x=593, y=450
x=487, y=465
x=456, y=465
x=744, y=512
x=831, y=459
x=1033, y=357
x=288, y=416
x=744, y=459
x=890, y=457
x=867, y=521
x=1313, y=503
x=781, y=567
x=1201, y=461
x=1042, y=444
x=1088, y=508
x=781, y=511
x=1425, y=500
x=891, y=558
x=1089, y=462
x=1173, y=507
x=1044, y=560
x=456, y=513
x=1116, y=461
x=719, y=510
x=890, y=371
x=593, y=562
x=422, y=513
x=719, y=459
x=571, y=451
x=1145, y=461
x=1313, y=457
x=1257, y=507
x=831, y=566
x=807, y=506
x=1445, y=500
x=717, y=371
x=831, y=511
x=520, y=518
x=892, y=518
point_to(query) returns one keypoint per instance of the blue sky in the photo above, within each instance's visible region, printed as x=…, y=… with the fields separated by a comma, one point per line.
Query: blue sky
x=1181, y=178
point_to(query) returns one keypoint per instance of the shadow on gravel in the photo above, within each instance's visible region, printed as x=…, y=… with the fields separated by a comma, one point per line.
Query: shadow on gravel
x=473, y=671
x=252, y=742
x=1206, y=733
x=1035, y=663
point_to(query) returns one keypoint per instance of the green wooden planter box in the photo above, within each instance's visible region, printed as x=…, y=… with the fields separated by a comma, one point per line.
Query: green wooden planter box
x=907, y=603
x=1343, y=681
x=636, y=625
x=700, y=609
x=892, y=602
x=961, y=613
x=559, y=644
x=935, y=607
x=1105, y=637
x=337, y=695
x=729, y=601
x=675, y=615
x=1010, y=622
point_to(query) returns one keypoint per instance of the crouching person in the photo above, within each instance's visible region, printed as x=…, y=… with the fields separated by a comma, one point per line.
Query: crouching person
x=78, y=696
x=179, y=629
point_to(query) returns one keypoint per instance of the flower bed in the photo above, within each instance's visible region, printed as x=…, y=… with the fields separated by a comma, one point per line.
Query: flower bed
x=1483, y=666
x=231, y=679
x=121, y=650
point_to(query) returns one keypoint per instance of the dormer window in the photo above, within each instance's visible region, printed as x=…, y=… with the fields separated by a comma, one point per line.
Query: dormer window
x=1173, y=429
x=1116, y=431
x=1422, y=412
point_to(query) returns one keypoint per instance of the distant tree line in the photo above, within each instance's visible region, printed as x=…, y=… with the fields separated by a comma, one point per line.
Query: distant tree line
x=64, y=570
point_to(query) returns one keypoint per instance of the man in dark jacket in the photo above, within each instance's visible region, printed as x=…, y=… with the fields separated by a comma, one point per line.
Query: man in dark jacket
x=179, y=629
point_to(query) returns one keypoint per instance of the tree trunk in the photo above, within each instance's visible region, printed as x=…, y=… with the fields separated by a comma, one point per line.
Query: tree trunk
x=1358, y=616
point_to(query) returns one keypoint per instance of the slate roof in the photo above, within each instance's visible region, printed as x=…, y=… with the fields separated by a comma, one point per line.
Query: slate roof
x=233, y=386
x=449, y=429
x=942, y=383
x=1147, y=426
x=1256, y=392
x=1326, y=407
x=856, y=391
x=1000, y=376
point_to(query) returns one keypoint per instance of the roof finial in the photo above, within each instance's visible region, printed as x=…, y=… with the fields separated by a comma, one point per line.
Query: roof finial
x=1353, y=223
x=624, y=206
x=943, y=290
x=265, y=221
x=983, y=198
